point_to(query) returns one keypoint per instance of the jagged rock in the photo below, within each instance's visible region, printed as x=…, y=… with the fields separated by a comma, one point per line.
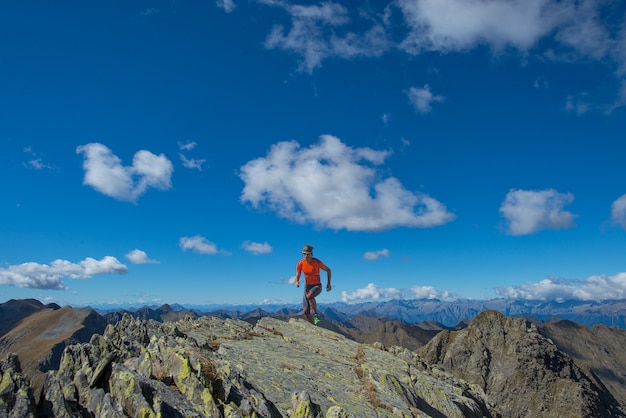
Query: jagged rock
x=16, y=395
x=209, y=367
x=522, y=373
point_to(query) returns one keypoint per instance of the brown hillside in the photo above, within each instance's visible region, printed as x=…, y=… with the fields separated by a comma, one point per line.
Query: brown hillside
x=599, y=349
x=394, y=333
x=40, y=338
x=13, y=311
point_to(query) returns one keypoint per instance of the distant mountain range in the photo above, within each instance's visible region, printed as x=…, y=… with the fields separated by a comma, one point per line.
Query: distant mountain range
x=448, y=313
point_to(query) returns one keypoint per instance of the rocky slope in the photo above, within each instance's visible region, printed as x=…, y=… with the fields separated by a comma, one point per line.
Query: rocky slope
x=210, y=367
x=491, y=366
x=598, y=350
x=521, y=372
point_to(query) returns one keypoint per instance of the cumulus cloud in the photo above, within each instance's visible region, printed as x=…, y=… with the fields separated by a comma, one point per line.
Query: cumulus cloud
x=457, y=25
x=527, y=211
x=44, y=276
x=375, y=255
x=105, y=173
x=567, y=31
x=200, y=245
x=594, y=288
x=335, y=186
x=257, y=248
x=422, y=98
x=371, y=291
x=137, y=256
x=317, y=31
x=429, y=292
x=618, y=212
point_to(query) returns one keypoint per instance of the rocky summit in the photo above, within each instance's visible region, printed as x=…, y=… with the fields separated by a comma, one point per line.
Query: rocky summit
x=211, y=367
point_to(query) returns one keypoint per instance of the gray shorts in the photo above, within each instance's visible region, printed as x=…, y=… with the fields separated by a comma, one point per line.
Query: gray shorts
x=315, y=290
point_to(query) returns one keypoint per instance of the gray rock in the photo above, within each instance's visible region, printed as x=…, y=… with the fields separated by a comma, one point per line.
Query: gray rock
x=521, y=372
x=209, y=367
x=16, y=395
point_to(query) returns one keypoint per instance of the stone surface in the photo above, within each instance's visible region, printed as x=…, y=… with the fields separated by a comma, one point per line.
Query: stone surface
x=209, y=367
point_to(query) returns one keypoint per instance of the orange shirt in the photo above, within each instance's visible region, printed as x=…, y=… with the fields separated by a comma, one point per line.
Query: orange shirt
x=311, y=270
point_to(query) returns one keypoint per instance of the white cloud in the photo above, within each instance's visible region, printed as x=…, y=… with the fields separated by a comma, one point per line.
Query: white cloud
x=594, y=288
x=457, y=25
x=44, y=276
x=568, y=31
x=429, y=292
x=335, y=186
x=105, y=172
x=577, y=105
x=192, y=163
x=618, y=211
x=422, y=98
x=371, y=291
x=321, y=31
x=35, y=162
x=137, y=256
x=187, y=146
x=257, y=248
x=528, y=211
x=375, y=255
x=227, y=5
x=199, y=244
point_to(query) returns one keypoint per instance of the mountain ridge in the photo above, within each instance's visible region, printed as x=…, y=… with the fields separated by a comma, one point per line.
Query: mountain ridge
x=446, y=312
x=591, y=354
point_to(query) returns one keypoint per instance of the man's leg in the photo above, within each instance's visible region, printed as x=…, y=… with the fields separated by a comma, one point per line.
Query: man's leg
x=309, y=317
x=310, y=296
x=306, y=308
x=312, y=301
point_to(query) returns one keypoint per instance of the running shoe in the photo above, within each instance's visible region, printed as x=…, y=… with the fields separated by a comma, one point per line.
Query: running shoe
x=316, y=318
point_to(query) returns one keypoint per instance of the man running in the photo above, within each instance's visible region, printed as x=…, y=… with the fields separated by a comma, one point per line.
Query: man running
x=311, y=267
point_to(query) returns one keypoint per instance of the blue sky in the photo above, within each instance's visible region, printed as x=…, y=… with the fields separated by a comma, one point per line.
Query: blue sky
x=184, y=151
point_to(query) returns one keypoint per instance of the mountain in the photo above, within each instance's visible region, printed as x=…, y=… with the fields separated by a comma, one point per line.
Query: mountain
x=598, y=350
x=497, y=366
x=520, y=371
x=13, y=311
x=163, y=313
x=514, y=360
x=213, y=367
x=450, y=313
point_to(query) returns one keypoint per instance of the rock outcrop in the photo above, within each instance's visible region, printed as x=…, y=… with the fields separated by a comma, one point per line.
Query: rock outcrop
x=521, y=372
x=16, y=395
x=209, y=367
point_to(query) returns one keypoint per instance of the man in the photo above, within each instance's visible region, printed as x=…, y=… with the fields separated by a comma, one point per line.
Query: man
x=311, y=267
